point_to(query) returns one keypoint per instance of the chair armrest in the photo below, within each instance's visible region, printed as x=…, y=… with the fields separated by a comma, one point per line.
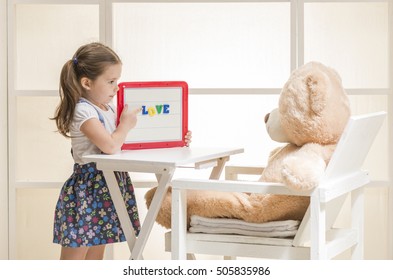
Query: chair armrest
x=234, y=186
x=336, y=187
x=232, y=171
x=326, y=191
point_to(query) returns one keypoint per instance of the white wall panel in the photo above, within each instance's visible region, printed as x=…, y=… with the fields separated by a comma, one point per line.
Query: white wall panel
x=42, y=154
x=209, y=45
x=52, y=34
x=352, y=38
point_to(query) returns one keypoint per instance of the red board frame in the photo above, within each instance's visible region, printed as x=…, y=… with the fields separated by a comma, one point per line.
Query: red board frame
x=164, y=143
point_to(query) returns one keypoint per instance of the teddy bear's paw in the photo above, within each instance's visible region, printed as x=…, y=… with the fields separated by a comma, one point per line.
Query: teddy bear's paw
x=302, y=174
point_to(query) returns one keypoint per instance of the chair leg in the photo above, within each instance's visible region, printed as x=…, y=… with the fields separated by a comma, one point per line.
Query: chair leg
x=357, y=223
x=318, y=230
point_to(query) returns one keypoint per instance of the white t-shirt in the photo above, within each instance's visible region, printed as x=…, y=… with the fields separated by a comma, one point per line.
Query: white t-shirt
x=81, y=145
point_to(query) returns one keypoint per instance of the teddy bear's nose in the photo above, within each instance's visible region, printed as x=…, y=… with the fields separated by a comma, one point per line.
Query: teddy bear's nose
x=267, y=117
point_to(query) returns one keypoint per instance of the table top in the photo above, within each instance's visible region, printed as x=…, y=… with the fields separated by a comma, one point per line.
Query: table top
x=178, y=156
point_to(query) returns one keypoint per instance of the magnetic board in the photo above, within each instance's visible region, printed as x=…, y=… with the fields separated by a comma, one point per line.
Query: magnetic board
x=163, y=119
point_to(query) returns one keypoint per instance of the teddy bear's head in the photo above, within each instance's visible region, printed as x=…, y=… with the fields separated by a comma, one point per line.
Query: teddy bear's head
x=313, y=107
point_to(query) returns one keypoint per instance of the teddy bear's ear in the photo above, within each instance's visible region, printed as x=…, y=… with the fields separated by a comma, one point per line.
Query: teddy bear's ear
x=317, y=87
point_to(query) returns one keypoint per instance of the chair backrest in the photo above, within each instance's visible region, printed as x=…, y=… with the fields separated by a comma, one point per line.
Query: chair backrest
x=348, y=157
x=354, y=144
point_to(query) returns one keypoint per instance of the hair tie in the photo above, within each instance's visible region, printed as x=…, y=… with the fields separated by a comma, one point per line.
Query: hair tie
x=75, y=60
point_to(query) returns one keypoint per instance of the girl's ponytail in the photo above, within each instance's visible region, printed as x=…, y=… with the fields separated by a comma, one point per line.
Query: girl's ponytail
x=70, y=91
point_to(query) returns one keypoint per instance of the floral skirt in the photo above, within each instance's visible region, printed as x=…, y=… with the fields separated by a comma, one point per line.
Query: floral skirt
x=85, y=214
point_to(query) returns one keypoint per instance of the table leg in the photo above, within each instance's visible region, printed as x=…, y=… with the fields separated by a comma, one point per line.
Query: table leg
x=120, y=206
x=164, y=178
x=217, y=170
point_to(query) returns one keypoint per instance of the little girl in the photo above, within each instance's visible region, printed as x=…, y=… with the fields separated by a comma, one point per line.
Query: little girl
x=85, y=217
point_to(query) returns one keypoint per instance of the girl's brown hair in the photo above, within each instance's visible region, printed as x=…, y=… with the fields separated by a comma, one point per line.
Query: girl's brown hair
x=89, y=61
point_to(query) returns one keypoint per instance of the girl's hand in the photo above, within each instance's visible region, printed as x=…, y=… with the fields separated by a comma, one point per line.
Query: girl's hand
x=129, y=118
x=188, y=138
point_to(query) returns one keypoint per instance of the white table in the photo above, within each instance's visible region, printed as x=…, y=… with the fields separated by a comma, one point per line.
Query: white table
x=163, y=163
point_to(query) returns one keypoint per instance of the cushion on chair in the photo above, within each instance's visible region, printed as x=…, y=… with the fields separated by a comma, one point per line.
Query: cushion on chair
x=286, y=228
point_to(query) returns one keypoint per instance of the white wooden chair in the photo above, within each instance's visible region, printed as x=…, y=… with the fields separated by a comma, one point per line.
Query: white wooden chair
x=316, y=237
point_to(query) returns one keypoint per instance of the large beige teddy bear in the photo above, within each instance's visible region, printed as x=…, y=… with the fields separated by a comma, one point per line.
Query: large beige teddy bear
x=312, y=112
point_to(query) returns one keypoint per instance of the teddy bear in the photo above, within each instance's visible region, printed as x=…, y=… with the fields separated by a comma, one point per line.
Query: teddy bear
x=313, y=110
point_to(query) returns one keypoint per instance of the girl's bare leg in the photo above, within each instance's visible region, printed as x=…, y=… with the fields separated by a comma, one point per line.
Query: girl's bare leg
x=83, y=253
x=95, y=252
x=68, y=253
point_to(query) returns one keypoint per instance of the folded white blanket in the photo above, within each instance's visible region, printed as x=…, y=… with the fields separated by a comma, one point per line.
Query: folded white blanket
x=286, y=228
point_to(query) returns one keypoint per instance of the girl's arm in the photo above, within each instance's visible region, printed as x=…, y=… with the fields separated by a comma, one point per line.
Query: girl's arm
x=106, y=142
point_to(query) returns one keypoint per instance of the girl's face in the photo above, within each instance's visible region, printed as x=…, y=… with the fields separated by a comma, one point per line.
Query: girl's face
x=104, y=88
